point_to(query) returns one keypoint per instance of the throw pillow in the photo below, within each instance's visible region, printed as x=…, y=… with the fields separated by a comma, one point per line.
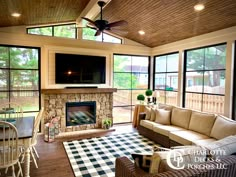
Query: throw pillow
x=148, y=113
x=162, y=116
x=181, y=157
x=142, y=161
x=225, y=146
x=153, y=114
x=165, y=106
x=223, y=127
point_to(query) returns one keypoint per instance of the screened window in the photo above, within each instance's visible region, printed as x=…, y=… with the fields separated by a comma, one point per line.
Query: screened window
x=88, y=34
x=67, y=31
x=166, y=78
x=234, y=86
x=19, y=76
x=205, y=78
x=131, y=77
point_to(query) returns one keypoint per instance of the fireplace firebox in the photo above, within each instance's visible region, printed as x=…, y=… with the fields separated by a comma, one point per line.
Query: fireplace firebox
x=80, y=113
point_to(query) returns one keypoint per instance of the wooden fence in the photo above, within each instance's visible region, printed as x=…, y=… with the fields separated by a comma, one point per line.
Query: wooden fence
x=21, y=91
x=209, y=103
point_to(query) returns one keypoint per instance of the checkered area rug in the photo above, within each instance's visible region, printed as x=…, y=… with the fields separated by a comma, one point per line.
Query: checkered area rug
x=96, y=157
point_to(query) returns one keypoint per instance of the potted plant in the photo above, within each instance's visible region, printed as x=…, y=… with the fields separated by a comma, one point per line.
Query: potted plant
x=148, y=93
x=106, y=123
x=141, y=98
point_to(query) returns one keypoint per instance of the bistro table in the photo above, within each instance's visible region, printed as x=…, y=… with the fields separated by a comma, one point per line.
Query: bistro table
x=25, y=127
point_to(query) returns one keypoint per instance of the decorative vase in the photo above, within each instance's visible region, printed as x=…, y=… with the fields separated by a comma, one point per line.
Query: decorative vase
x=154, y=100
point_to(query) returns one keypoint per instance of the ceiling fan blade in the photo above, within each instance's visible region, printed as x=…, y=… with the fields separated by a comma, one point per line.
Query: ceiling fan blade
x=92, y=28
x=117, y=23
x=119, y=31
x=90, y=25
x=90, y=21
x=98, y=33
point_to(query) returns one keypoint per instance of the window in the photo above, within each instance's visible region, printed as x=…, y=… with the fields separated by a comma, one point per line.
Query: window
x=66, y=30
x=166, y=78
x=204, y=68
x=131, y=78
x=19, y=76
x=88, y=33
x=234, y=86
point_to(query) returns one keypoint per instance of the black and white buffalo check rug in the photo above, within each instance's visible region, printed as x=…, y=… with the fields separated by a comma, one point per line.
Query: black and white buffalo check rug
x=96, y=157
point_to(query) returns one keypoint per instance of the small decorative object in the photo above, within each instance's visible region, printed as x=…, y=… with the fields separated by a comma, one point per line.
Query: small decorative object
x=55, y=123
x=141, y=98
x=49, y=135
x=106, y=123
x=148, y=93
x=154, y=100
x=155, y=96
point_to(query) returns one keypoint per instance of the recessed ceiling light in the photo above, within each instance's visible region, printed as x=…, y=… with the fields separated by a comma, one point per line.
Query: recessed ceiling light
x=141, y=32
x=15, y=14
x=199, y=7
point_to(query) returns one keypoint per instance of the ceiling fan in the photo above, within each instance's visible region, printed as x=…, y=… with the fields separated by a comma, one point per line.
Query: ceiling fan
x=101, y=25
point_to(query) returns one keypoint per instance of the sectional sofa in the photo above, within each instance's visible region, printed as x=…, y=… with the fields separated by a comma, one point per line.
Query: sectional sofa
x=174, y=126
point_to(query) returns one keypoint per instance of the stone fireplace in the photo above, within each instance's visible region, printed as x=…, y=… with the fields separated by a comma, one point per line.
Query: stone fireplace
x=55, y=101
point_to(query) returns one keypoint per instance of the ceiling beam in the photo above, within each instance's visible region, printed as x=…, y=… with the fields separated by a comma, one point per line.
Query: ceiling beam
x=90, y=11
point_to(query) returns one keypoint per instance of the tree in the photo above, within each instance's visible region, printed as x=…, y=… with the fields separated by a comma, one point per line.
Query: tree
x=208, y=59
x=123, y=78
x=22, y=63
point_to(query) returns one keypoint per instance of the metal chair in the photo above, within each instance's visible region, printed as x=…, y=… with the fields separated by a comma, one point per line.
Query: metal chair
x=10, y=111
x=9, y=150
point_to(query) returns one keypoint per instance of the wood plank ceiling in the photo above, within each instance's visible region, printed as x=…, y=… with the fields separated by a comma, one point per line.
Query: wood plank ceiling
x=163, y=21
x=37, y=12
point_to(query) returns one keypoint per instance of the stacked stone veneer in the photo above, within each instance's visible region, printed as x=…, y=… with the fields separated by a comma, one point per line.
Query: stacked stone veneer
x=55, y=106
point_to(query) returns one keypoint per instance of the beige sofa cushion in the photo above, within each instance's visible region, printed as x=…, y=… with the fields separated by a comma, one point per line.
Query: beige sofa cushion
x=181, y=117
x=148, y=124
x=153, y=114
x=148, y=113
x=225, y=146
x=202, y=122
x=166, y=129
x=162, y=116
x=223, y=127
x=203, y=142
x=165, y=106
x=186, y=137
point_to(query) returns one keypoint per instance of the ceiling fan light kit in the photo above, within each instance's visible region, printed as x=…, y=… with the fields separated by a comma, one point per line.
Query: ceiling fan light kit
x=102, y=25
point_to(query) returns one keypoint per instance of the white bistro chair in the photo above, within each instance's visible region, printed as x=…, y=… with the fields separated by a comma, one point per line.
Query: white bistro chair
x=33, y=150
x=9, y=150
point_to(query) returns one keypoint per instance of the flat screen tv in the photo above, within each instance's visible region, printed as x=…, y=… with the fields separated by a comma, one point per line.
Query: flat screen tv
x=80, y=69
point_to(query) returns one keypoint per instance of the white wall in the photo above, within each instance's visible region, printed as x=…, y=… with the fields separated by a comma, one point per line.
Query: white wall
x=222, y=36
x=50, y=45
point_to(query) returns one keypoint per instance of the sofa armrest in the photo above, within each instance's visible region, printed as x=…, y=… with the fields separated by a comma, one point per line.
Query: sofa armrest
x=126, y=168
x=142, y=115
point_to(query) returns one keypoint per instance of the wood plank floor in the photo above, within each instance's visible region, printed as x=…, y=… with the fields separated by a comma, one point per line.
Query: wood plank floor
x=53, y=161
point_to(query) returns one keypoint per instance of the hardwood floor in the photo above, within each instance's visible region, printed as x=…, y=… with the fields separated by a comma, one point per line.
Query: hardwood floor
x=53, y=161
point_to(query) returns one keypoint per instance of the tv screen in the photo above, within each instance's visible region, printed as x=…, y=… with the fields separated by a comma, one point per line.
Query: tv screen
x=80, y=69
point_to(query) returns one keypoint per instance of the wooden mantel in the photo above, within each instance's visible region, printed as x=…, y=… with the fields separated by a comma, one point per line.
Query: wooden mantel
x=78, y=90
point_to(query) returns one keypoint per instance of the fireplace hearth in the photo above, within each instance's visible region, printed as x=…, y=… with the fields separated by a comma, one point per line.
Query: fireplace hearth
x=80, y=113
